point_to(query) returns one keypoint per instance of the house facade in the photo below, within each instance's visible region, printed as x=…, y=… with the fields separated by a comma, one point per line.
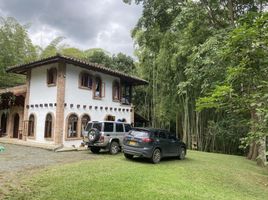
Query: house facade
x=60, y=96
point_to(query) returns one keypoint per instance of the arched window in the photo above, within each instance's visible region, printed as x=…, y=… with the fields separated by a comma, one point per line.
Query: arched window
x=98, y=87
x=85, y=80
x=48, y=126
x=116, y=91
x=72, y=126
x=51, y=76
x=84, y=120
x=31, y=126
x=109, y=118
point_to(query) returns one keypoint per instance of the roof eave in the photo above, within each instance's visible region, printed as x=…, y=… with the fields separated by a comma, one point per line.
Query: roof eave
x=22, y=69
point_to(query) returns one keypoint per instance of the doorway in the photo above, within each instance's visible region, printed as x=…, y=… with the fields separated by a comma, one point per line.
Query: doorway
x=16, y=123
x=3, y=127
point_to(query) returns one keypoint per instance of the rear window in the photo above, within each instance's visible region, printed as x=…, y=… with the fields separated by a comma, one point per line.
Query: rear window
x=88, y=127
x=108, y=127
x=139, y=134
x=127, y=127
x=97, y=126
x=119, y=128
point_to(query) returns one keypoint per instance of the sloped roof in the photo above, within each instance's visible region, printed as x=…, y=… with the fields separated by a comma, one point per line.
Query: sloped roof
x=23, y=68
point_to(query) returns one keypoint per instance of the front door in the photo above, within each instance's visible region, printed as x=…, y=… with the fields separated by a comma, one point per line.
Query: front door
x=16, y=126
x=3, y=124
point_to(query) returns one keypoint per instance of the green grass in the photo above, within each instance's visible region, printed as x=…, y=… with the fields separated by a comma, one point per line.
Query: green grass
x=200, y=176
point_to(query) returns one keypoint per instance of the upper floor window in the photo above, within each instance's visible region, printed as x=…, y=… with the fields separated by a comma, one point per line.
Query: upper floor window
x=51, y=76
x=126, y=94
x=98, y=88
x=115, y=90
x=85, y=80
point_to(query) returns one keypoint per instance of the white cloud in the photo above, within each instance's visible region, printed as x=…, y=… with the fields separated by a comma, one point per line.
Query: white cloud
x=85, y=24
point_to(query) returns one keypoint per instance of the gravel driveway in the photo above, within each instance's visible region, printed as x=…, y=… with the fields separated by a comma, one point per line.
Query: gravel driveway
x=20, y=160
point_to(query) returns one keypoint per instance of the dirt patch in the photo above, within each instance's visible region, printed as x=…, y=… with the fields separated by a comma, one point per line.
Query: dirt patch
x=17, y=160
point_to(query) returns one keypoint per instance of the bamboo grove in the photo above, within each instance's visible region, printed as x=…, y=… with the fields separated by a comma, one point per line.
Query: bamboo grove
x=206, y=62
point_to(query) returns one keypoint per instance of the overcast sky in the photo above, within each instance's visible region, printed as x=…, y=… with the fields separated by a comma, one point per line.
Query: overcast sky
x=84, y=23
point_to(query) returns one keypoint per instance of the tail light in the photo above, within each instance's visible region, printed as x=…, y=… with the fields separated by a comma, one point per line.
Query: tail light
x=101, y=139
x=147, y=140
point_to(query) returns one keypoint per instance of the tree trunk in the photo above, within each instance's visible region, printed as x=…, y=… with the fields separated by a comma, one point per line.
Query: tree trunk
x=231, y=11
x=250, y=152
x=254, y=151
x=261, y=159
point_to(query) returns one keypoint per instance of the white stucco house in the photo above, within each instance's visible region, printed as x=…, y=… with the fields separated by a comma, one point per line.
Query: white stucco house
x=60, y=96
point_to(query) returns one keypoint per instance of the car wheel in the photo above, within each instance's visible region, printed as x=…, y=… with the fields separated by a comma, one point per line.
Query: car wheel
x=128, y=156
x=95, y=149
x=182, y=154
x=156, y=157
x=114, y=147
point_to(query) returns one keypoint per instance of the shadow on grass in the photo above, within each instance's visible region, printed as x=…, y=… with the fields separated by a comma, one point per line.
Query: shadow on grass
x=163, y=160
x=142, y=159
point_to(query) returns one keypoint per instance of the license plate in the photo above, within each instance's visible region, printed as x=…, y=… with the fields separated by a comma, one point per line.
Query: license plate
x=132, y=143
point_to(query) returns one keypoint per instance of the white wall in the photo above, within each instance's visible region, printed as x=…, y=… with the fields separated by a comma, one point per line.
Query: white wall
x=77, y=96
x=41, y=93
x=40, y=118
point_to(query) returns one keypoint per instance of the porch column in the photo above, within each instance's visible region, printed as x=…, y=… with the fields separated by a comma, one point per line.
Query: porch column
x=59, y=125
x=25, y=111
x=132, y=121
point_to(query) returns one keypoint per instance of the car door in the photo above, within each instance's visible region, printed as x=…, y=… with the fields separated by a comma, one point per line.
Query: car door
x=164, y=142
x=119, y=130
x=173, y=146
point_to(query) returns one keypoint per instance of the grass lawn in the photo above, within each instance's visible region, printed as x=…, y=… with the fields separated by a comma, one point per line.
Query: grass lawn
x=200, y=176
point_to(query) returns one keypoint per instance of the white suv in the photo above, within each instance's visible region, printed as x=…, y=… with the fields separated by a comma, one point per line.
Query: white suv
x=105, y=135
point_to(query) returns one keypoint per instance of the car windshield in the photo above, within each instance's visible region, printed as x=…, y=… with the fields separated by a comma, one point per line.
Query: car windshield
x=139, y=133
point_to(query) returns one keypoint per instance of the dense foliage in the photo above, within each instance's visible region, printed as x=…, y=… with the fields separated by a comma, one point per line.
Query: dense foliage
x=16, y=47
x=207, y=66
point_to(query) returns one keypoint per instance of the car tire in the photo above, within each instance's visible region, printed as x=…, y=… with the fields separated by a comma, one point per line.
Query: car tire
x=156, y=156
x=95, y=149
x=114, y=148
x=182, y=154
x=128, y=156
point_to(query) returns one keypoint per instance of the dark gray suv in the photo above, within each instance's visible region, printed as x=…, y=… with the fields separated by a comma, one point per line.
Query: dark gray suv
x=152, y=143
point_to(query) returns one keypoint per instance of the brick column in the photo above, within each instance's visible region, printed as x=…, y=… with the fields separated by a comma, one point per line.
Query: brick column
x=59, y=124
x=25, y=111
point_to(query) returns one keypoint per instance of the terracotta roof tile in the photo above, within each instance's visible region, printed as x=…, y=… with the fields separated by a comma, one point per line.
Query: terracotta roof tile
x=23, y=68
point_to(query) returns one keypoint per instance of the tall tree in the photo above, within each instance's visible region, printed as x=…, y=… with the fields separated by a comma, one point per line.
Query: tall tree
x=16, y=48
x=181, y=46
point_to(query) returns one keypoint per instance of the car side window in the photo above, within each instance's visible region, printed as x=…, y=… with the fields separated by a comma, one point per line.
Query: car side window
x=156, y=134
x=89, y=125
x=171, y=136
x=127, y=127
x=119, y=128
x=162, y=135
x=97, y=126
x=108, y=127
